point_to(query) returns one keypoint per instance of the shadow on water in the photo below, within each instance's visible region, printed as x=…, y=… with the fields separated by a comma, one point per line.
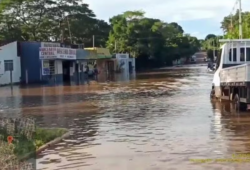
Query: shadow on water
x=159, y=119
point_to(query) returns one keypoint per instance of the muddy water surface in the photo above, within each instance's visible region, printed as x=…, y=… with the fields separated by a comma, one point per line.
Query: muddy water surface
x=158, y=121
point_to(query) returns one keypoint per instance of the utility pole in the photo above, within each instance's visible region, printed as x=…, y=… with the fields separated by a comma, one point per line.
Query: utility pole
x=240, y=21
x=115, y=46
x=213, y=48
x=231, y=27
x=93, y=41
x=70, y=36
x=62, y=31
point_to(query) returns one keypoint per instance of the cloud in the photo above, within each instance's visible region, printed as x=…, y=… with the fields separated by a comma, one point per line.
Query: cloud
x=169, y=10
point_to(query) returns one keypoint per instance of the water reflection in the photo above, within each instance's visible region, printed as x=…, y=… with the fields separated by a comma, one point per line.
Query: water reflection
x=159, y=119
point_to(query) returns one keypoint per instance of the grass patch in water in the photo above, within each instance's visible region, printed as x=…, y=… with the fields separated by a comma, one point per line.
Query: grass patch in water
x=45, y=135
x=23, y=145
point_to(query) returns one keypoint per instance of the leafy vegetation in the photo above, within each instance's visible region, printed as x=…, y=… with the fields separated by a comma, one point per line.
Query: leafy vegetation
x=230, y=27
x=154, y=42
x=45, y=135
x=22, y=145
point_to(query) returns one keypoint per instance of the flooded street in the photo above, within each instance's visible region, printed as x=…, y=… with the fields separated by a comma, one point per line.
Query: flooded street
x=158, y=121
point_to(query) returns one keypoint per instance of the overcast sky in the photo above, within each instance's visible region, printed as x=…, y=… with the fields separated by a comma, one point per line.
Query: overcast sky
x=197, y=17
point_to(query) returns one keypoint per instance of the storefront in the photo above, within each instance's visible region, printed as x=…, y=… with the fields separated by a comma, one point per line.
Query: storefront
x=102, y=58
x=58, y=63
x=125, y=64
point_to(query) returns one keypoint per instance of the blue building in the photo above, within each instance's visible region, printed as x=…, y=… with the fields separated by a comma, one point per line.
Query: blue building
x=47, y=63
x=55, y=64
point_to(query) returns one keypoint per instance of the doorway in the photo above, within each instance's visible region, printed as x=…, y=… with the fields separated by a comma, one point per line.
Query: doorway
x=66, y=71
x=110, y=66
x=130, y=67
x=77, y=73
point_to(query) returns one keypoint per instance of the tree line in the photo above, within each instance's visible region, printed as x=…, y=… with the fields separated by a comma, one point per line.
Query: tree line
x=230, y=27
x=153, y=42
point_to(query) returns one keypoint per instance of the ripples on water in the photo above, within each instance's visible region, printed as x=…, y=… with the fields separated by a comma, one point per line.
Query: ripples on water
x=158, y=121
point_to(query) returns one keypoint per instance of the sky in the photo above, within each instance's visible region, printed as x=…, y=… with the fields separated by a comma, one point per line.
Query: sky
x=197, y=17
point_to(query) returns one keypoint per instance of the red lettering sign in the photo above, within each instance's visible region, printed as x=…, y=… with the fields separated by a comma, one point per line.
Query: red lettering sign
x=48, y=49
x=57, y=52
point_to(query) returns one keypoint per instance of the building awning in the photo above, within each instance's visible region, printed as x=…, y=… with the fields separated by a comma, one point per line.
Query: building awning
x=98, y=53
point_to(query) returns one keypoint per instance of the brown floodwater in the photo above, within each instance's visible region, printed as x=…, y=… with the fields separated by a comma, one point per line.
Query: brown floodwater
x=156, y=121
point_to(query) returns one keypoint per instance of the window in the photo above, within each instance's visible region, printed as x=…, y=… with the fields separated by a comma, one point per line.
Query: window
x=233, y=54
x=8, y=65
x=48, y=67
x=242, y=54
x=248, y=53
x=52, y=67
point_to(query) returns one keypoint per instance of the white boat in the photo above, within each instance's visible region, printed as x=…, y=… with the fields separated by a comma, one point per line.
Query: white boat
x=232, y=76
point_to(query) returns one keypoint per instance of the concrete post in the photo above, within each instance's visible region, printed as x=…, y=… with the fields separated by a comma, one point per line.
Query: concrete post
x=11, y=81
x=26, y=76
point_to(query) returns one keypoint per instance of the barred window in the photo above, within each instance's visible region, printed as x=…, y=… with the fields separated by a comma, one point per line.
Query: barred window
x=8, y=65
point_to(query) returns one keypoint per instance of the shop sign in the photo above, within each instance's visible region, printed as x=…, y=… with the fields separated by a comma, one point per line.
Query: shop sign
x=57, y=53
x=120, y=56
x=49, y=44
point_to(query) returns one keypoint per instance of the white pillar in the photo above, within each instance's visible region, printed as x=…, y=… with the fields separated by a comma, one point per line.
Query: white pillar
x=232, y=52
x=245, y=51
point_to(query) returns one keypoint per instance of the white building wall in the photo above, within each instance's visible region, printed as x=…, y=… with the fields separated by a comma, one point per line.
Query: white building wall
x=58, y=67
x=9, y=52
x=132, y=60
x=123, y=62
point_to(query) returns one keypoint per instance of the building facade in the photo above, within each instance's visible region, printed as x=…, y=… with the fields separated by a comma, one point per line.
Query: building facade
x=55, y=64
x=47, y=63
x=58, y=64
x=94, y=56
x=124, y=64
x=10, y=68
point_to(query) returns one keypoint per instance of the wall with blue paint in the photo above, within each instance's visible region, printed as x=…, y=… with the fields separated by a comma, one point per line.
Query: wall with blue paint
x=29, y=53
x=81, y=54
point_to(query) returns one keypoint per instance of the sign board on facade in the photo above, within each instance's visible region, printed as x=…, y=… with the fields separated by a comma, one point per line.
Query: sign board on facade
x=97, y=53
x=122, y=56
x=48, y=53
x=49, y=44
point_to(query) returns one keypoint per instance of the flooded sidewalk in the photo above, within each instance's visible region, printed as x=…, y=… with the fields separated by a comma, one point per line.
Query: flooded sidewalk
x=158, y=121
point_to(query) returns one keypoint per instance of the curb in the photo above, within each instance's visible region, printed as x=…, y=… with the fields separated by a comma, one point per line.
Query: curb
x=45, y=146
x=53, y=142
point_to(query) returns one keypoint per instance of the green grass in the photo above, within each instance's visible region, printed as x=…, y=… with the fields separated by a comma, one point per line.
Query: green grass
x=24, y=146
x=44, y=136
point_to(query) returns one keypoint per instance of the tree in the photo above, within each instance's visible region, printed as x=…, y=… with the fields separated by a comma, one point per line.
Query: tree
x=230, y=25
x=211, y=45
x=70, y=21
x=153, y=42
x=210, y=36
